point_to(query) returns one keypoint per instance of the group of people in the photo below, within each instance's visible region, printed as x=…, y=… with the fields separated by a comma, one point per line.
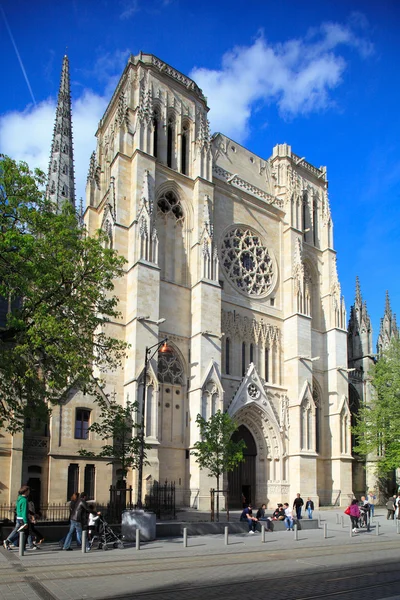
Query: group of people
x=360, y=512
x=25, y=521
x=282, y=512
x=82, y=516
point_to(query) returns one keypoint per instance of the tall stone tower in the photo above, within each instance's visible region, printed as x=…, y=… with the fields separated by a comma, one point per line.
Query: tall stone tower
x=388, y=329
x=360, y=360
x=61, y=179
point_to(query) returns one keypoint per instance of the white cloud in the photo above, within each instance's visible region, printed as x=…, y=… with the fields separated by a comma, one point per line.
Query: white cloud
x=27, y=135
x=297, y=75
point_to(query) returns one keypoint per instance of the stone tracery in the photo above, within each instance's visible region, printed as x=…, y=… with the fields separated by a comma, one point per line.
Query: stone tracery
x=247, y=263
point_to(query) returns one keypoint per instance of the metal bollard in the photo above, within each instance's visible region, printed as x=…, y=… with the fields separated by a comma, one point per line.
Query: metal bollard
x=296, y=534
x=319, y=520
x=342, y=520
x=185, y=537
x=337, y=519
x=21, y=549
x=351, y=529
x=397, y=525
x=138, y=539
x=226, y=535
x=377, y=529
x=84, y=541
x=325, y=530
x=262, y=534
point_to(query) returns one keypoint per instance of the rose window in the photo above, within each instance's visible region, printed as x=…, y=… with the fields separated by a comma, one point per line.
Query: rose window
x=247, y=263
x=253, y=391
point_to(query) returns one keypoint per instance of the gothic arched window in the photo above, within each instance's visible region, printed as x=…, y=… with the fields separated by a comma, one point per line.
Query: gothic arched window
x=170, y=369
x=227, y=355
x=185, y=149
x=156, y=121
x=170, y=140
x=243, y=359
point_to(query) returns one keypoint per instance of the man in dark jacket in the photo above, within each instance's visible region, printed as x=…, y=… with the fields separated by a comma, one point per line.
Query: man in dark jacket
x=78, y=518
x=297, y=504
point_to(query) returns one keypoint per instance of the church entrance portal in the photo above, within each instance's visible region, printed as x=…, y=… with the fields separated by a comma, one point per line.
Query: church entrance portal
x=242, y=480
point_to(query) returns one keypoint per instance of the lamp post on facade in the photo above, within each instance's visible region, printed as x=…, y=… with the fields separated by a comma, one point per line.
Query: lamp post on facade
x=147, y=358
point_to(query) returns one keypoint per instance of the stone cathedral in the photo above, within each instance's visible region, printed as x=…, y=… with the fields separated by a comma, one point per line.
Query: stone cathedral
x=231, y=257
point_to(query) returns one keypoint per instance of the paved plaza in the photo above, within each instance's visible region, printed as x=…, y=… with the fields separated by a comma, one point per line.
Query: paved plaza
x=166, y=569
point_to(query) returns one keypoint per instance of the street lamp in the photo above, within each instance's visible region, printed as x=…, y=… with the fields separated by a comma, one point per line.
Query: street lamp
x=162, y=346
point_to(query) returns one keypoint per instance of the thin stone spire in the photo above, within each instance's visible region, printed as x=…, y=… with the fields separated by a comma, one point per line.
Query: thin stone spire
x=358, y=291
x=61, y=179
x=388, y=329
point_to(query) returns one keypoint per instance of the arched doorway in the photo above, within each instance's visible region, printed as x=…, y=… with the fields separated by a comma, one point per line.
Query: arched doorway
x=242, y=480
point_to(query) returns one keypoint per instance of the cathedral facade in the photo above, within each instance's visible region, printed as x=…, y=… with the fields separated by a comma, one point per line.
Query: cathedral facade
x=230, y=256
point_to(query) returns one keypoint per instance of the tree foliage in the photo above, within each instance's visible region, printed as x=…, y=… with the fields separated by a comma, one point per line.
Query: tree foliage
x=118, y=424
x=216, y=451
x=377, y=429
x=59, y=284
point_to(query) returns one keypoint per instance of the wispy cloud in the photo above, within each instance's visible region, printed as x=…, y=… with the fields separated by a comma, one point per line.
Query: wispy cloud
x=129, y=8
x=298, y=75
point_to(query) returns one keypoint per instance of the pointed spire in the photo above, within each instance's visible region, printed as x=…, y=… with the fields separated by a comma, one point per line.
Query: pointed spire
x=388, y=310
x=358, y=291
x=388, y=329
x=61, y=179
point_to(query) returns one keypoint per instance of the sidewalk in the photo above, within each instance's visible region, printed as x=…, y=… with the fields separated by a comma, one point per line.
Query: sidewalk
x=51, y=574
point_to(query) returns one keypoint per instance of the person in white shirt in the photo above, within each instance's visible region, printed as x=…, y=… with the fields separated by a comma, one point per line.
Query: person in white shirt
x=289, y=517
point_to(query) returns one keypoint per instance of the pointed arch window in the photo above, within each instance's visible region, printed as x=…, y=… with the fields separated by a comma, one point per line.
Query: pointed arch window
x=156, y=123
x=65, y=149
x=251, y=353
x=227, y=356
x=65, y=169
x=243, y=359
x=170, y=140
x=266, y=364
x=64, y=191
x=185, y=149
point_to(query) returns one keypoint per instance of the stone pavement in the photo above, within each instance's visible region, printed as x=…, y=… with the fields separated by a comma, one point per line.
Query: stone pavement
x=51, y=574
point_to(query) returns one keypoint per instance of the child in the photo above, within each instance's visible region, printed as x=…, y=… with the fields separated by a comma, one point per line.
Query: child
x=92, y=525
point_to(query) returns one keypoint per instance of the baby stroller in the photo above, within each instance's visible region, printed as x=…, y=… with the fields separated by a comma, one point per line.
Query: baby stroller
x=105, y=537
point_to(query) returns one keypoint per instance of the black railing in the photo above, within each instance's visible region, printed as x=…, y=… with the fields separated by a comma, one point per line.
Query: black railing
x=160, y=499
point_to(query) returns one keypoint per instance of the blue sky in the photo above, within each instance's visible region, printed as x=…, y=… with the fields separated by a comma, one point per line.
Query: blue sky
x=320, y=76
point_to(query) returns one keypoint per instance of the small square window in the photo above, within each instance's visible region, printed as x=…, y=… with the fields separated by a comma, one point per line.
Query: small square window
x=82, y=424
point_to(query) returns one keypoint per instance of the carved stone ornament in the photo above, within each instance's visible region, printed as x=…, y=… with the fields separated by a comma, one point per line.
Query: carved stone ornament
x=247, y=263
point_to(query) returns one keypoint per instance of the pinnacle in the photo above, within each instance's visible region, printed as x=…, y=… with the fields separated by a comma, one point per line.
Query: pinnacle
x=358, y=290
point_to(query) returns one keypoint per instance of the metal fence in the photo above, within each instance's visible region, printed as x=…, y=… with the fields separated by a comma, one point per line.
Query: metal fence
x=160, y=499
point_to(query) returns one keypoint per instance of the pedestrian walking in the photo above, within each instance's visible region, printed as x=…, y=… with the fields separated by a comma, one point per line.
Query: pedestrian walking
x=371, y=498
x=297, y=504
x=22, y=521
x=309, y=507
x=34, y=536
x=354, y=515
x=390, y=508
x=78, y=517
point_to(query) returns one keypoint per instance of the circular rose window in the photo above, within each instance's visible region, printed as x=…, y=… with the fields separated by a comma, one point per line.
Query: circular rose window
x=248, y=264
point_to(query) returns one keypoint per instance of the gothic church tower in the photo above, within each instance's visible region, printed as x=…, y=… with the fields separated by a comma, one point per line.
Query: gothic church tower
x=231, y=256
x=360, y=360
x=61, y=178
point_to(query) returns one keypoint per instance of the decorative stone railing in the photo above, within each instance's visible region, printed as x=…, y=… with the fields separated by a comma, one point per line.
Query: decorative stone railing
x=246, y=186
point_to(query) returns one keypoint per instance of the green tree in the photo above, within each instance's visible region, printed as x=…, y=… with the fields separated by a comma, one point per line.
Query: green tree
x=216, y=451
x=59, y=284
x=118, y=424
x=377, y=430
